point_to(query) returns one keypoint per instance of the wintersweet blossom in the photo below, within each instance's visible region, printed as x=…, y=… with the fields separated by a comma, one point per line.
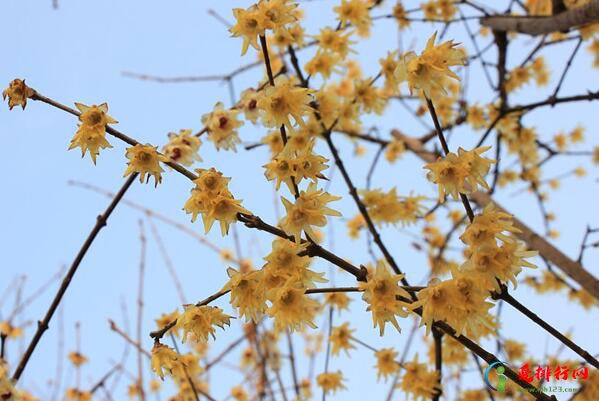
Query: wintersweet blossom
x=459, y=173
x=17, y=93
x=211, y=198
x=145, y=160
x=91, y=134
x=197, y=322
x=330, y=382
x=341, y=339
x=381, y=292
x=430, y=71
x=308, y=210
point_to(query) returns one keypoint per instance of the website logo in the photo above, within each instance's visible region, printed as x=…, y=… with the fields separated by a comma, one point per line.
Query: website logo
x=501, y=377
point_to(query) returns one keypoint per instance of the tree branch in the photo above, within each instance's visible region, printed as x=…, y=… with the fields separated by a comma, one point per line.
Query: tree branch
x=533, y=25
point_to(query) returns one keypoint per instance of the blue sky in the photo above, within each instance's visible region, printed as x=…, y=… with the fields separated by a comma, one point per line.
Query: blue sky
x=78, y=53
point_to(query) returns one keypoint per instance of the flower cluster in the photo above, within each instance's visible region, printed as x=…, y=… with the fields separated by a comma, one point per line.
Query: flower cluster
x=283, y=101
x=265, y=15
x=222, y=127
x=340, y=339
x=295, y=163
x=419, y=381
x=211, y=198
x=459, y=301
x=197, y=322
x=308, y=210
x=278, y=289
x=430, y=72
x=330, y=382
x=390, y=208
x=356, y=13
x=182, y=148
x=435, y=10
x=386, y=363
x=460, y=173
x=91, y=134
x=381, y=293
x=166, y=359
x=494, y=255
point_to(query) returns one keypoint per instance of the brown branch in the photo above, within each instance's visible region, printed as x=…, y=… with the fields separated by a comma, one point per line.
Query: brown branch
x=533, y=25
x=573, y=269
x=438, y=338
x=224, y=353
x=43, y=324
x=129, y=340
x=445, y=147
x=504, y=295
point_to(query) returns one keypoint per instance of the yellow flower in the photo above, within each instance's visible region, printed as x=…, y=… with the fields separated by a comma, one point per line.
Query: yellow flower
x=292, y=165
x=514, y=350
x=339, y=300
x=336, y=41
x=246, y=294
x=167, y=318
x=211, y=198
x=586, y=300
x=430, y=71
x=154, y=386
x=166, y=358
x=368, y=97
x=381, y=292
x=580, y=172
x=74, y=394
x=199, y=321
x=399, y=13
x=577, y=134
x=17, y=93
x=355, y=225
x=308, y=210
x=284, y=264
x=277, y=13
x=394, y=150
x=340, y=339
x=239, y=394
x=284, y=100
x=7, y=389
x=461, y=173
x=91, y=134
x=459, y=301
x=356, y=13
x=222, y=127
x=476, y=117
x=250, y=24
x=249, y=104
x=419, y=381
x=492, y=263
x=391, y=208
x=330, y=382
x=291, y=308
x=9, y=330
x=386, y=364
x=487, y=226
x=323, y=63
x=305, y=389
x=454, y=353
x=145, y=160
x=182, y=148
x=77, y=359
x=274, y=141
